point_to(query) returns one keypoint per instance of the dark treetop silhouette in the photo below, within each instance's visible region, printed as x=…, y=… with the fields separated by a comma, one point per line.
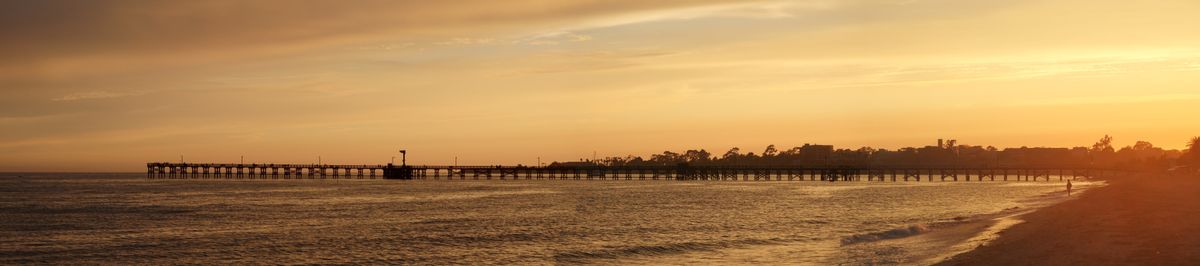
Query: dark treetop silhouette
x=1142, y=156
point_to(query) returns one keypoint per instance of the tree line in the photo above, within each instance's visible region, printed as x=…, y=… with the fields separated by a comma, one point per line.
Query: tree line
x=1140, y=156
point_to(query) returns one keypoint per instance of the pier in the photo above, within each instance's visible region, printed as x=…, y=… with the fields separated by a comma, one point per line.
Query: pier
x=680, y=172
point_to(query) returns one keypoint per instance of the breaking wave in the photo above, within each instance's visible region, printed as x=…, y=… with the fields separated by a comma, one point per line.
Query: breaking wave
x=656, y=250
x=902, y=232
x=918, y=229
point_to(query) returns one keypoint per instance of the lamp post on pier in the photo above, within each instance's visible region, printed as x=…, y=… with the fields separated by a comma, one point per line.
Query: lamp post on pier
x=403, y=157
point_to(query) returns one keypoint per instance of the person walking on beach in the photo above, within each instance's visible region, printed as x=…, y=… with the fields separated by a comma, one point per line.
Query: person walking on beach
x=1068, y=188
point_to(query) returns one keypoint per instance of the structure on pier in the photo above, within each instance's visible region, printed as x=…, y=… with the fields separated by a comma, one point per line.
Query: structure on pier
x=275, y=171
x=679, y=172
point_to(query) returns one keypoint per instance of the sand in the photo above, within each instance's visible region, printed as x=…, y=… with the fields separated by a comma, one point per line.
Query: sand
x=1144, y=220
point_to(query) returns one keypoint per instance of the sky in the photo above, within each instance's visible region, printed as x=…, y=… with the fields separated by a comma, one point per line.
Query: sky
x=111, y=85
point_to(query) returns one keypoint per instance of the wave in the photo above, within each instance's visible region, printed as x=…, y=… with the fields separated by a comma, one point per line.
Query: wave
x=902, y=232
x=446, y=221
x=656, y=250
x=917, y=229
x=463, y=240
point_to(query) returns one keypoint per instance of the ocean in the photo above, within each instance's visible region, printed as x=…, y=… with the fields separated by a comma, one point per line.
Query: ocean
x=126, y=219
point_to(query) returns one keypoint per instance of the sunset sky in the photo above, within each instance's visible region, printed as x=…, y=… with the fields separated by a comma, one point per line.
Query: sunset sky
x=111, y=85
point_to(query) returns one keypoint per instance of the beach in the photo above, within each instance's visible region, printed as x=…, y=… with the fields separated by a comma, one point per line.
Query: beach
x=1143, y=220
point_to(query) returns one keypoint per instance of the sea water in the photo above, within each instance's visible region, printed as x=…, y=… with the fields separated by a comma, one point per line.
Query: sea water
x=127, y=219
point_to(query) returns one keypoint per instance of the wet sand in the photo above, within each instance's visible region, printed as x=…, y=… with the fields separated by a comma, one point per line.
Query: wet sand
x=1139, y=220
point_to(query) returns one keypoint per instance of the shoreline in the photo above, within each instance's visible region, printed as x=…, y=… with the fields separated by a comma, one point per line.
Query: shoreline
x=1133, y=220
x=939, y=241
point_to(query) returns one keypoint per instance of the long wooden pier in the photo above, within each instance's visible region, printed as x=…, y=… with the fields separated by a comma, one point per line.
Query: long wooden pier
x=682, y=172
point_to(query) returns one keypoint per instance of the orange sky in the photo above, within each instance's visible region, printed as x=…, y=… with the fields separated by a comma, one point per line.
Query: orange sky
x=110, y=85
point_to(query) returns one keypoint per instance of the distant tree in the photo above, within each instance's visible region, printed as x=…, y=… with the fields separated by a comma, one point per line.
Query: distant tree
x=1141, y=156
x=770, y=151
x=1104, y=145
x=666, y=158
x=1194, y=150
x=794, y=151
x=636, y=160
x=1143, y=146
x=696, y=155
x=732, y=153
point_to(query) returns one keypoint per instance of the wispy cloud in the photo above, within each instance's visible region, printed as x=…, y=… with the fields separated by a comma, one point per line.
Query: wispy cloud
x=465, y=41
x=741, y=9
x=51, y=39
x=554, y=38
x=92, y=95
x=384, y=46
x=551, y=38
x=11, y=120
x=1118, y=99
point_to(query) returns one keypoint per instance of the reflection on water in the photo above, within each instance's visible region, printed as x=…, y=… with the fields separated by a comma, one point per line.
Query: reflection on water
x=123, y=219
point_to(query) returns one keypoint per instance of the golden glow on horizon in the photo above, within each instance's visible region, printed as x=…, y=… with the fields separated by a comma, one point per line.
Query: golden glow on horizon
x=109, y=86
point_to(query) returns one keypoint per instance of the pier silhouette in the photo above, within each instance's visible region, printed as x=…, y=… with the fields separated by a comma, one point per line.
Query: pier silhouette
x=948, y=161
x=599, y=172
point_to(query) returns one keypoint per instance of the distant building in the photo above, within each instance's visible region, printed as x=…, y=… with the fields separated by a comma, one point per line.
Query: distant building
x=815, y=154
x=946, y=144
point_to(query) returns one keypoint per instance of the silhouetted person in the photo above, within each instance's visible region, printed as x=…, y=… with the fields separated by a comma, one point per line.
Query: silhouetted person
x=1068, y=187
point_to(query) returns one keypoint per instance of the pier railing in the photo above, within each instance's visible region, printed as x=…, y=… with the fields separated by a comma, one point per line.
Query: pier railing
x=681, y=172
